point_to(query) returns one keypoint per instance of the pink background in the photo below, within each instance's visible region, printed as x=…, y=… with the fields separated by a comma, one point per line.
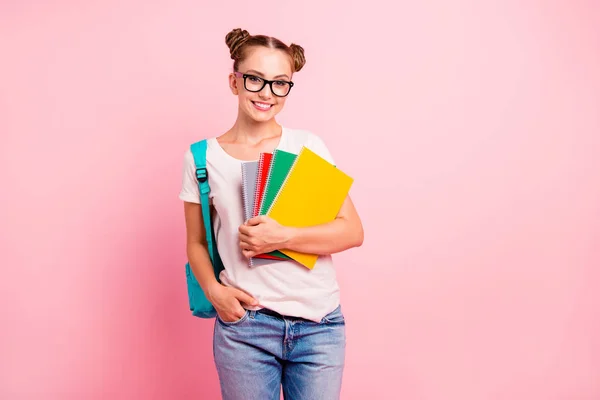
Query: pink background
x=471, y=128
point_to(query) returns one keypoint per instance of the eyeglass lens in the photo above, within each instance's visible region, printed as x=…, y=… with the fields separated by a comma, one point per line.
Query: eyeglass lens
x=256, y=84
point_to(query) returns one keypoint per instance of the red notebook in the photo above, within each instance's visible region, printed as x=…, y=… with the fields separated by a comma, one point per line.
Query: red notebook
x=264, y=162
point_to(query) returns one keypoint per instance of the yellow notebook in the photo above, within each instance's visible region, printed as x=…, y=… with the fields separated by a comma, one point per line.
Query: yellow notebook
x=312, y=194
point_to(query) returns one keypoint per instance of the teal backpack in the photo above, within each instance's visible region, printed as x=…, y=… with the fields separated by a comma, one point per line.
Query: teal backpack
x=199, y=304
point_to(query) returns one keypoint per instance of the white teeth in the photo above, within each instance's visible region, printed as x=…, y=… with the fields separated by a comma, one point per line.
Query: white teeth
x=263, y=106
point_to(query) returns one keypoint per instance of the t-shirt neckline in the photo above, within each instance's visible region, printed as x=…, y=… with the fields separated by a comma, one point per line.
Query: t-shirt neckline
x=222, y=150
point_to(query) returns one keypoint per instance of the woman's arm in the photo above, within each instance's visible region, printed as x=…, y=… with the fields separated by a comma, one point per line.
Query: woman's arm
x=343, y=233
x=197, y=247
x=226, y=300
x=263, y=234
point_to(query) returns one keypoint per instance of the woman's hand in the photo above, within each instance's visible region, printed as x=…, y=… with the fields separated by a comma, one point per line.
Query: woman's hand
x=261, y=235
x=228, y=301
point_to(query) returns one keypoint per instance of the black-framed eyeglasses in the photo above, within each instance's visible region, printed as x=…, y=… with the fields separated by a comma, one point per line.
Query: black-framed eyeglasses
x=253, y=83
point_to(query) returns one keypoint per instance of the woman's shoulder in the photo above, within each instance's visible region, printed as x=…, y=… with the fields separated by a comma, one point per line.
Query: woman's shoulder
x=302, y=136
x=188, y=155
x=210, y=142
x=305, y=137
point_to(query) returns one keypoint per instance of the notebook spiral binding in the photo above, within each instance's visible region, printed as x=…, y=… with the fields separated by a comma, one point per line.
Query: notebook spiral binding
x=255, y=209
x=245, y=198
x=285, y=180
x=244, y=190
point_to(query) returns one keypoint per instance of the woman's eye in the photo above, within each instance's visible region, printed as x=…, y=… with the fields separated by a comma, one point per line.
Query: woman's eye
x=280, y=83
x=254, y=79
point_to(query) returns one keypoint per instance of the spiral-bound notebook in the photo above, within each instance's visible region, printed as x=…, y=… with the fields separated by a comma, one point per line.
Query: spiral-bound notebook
x=280, y=166
x=264, y=163
x=250, y=172
x=312, y=194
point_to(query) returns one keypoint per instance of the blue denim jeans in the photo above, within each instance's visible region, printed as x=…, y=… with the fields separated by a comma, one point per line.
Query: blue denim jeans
x=261, y=353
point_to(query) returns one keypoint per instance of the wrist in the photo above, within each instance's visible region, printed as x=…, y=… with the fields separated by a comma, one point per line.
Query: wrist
x=211, y=289
x=289, y=237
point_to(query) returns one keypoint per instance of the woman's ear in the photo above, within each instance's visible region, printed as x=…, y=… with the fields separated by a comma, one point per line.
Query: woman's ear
x=233, y=84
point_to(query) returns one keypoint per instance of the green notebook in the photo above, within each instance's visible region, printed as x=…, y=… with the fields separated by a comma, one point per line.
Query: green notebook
x=280, y=167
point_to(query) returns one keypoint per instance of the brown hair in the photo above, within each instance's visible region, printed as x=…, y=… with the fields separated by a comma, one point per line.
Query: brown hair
x=239, y=41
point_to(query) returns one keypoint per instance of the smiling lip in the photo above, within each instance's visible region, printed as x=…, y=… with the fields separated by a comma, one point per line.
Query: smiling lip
x=262, y=106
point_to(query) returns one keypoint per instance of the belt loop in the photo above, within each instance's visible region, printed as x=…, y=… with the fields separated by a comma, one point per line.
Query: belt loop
x=252, y=314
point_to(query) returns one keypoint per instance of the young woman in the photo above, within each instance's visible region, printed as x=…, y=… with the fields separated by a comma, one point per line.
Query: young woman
x=280, y=324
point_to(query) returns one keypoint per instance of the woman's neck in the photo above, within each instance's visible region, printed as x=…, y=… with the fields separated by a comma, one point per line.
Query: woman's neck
x=252, y=132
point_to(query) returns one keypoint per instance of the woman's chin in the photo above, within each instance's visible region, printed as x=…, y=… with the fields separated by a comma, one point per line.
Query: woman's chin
x=262, y=116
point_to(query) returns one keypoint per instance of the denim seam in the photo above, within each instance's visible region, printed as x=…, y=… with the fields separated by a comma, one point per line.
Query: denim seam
x=234, y=323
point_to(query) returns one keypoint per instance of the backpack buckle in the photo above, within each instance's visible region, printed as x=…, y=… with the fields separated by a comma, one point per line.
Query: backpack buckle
x=201, y=175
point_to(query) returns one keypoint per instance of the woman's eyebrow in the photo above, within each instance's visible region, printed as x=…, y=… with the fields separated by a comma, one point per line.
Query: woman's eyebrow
x=255, y=72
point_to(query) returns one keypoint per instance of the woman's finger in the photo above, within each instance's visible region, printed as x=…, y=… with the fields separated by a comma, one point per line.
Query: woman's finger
x=244, y=237
x=248, y=253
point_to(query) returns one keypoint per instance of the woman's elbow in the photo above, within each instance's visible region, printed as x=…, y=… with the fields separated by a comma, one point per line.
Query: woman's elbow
x=359, y=236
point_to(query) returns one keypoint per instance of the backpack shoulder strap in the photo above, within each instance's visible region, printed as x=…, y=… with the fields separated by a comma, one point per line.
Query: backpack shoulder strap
x=199, y=152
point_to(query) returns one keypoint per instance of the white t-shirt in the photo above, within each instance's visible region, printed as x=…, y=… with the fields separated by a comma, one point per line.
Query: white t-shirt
x=284, y=286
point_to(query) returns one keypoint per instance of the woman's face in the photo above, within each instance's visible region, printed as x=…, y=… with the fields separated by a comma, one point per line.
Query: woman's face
x=270, y=64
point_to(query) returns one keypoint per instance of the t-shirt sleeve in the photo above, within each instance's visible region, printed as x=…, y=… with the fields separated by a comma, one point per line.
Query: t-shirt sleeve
x=189, y=187
x=316, y=144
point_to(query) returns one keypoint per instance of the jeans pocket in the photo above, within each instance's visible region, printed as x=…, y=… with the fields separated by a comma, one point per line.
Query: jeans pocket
x=334, y=317
x=237, y=322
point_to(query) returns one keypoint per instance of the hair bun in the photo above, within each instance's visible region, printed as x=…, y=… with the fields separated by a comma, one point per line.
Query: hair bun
x=297, y=53
x=235, y=39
